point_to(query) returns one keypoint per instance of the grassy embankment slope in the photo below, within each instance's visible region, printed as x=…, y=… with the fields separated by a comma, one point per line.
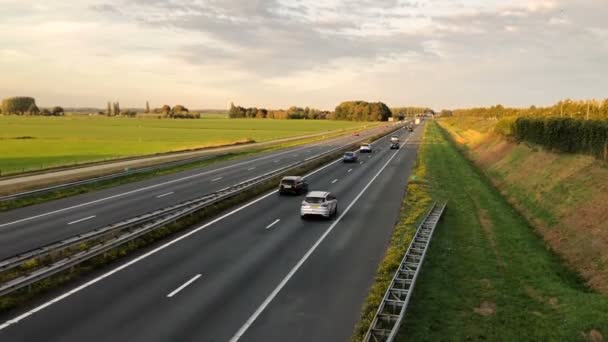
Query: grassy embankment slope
x=31, y=143
x=488, y=275
x=565, y=196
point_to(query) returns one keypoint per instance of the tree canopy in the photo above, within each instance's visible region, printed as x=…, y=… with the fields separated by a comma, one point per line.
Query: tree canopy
x=57, y=111
x=410, y=111
x=17, y=105
x=362, y=111
x=262, y=113
x=178, y=109
x=33, y=109
x=582, y=109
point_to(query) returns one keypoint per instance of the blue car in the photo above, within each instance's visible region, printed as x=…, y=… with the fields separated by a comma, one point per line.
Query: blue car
x=350, y=157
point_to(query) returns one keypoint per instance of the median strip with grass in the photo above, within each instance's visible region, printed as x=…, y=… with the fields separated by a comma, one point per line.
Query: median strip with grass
x=488, y=276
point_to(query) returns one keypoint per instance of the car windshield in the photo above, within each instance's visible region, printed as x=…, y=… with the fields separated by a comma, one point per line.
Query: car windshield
x=288, y=181
x=315, y=200
x=349, y=154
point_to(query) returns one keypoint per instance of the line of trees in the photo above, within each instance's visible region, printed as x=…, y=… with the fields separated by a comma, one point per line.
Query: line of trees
x=410, y=111
x=177, y=112
x=350, y=110
x=24, y=105
x=581, y=109
x=293, y=113
x=362, y=111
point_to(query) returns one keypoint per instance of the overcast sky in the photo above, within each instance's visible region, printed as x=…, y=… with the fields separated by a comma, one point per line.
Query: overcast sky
x=277, y=53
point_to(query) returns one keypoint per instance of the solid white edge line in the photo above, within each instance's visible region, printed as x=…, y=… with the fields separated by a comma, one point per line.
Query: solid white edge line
x=141, y=257
x=176, y=291
x=163, y=195
x=289, y=275
x=164, y=183
x=83, y=219
x=273, y=223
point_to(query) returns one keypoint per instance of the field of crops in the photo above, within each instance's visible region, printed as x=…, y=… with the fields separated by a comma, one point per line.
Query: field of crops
x=32, y=143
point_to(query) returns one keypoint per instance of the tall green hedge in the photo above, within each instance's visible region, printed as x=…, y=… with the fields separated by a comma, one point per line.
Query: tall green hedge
x=565, y=134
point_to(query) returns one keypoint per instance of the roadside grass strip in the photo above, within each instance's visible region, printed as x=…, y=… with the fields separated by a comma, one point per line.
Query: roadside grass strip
x=488, y=275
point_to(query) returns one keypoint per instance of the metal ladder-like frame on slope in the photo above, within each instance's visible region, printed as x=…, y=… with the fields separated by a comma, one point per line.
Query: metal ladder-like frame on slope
x=390, y=314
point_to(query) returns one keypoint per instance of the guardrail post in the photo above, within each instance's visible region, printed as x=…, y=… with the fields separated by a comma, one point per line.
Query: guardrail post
x=390, y=313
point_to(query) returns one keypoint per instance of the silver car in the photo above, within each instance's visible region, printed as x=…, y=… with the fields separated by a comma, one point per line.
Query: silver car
x=319, y=203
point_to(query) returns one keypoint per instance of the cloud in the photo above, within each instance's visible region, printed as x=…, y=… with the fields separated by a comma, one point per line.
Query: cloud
x=105, y=8
x=316, y=52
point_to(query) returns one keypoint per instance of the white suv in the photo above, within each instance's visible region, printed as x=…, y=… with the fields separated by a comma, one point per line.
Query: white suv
x=319, y=203
x=365, y=148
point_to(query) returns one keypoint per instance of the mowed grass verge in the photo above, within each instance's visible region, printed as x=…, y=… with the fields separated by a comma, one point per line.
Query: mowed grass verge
x=487, y=275
x=33, y=143
x=563, y=195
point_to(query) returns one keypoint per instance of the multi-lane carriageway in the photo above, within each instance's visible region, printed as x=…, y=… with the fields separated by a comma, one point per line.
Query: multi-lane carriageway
x=256, y=273
x=34, y=226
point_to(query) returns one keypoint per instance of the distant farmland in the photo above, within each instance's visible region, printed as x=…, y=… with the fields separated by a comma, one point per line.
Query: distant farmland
x=31, y=143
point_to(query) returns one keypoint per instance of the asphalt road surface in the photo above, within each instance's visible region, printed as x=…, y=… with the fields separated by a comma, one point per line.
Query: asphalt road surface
x=30, y=227
x=256, y=273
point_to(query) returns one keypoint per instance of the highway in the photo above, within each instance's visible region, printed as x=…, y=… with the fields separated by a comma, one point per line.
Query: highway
x=256, y=273
x=30, y=227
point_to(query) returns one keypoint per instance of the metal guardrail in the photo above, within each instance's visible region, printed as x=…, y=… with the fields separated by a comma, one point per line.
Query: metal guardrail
x=136, y=227
x=192, y=204
x=106, y=177
x=390, y=314
x=145, y=169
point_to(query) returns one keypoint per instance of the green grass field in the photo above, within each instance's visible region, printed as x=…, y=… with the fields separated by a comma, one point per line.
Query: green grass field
x=32, y=143
x=488, y=276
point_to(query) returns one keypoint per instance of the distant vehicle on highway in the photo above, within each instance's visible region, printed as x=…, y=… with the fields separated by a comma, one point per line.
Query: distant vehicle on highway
x=356, y=134
x=394, y=139
x=293, y=185
x=410, y=128
x=394, y=145
x=417, y=122
x=350, y=157
x=365, y=148
x=319, y=203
